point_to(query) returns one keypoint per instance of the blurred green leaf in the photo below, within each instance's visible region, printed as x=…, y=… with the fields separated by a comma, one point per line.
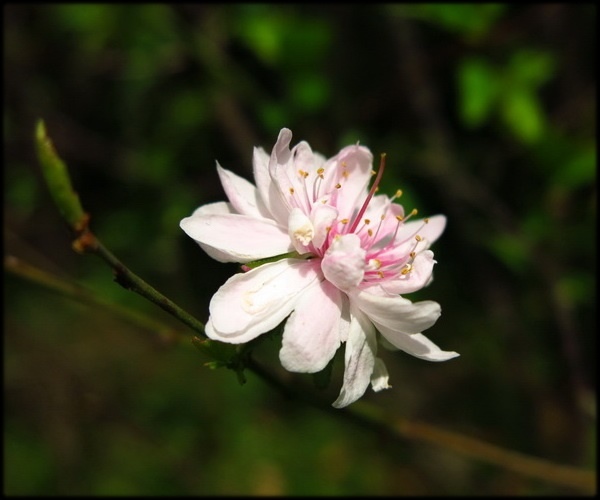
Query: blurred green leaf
x=530, y=68
x=468, y=19
x=522, y=114
x=579, y=169
x=478, y=86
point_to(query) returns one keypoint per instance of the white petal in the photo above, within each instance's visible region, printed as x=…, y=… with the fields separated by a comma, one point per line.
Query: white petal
x=300, y=229
x=344, y=262
x=269, y=192
x=416, y=345
x=312, y=333
x=379, y=379
x=361, y=348
x=398, y=313
x=322, y=218
x=220, y=207
x=242, y=194
x=252, y=303
x=237, y=238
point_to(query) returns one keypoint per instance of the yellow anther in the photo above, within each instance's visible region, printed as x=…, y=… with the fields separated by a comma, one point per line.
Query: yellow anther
x=320, y=172
x=370, y=232
x=344, y=221
x=412, y=255
x=373, y=172
x=414, y=211
x=377, y=263
x=338, y=186
x=380, y=274
x=302, y=173
x=426, y=221
x=344, y=164
x=367, y=221
x=345, y=174
x=398, y=193
x=399, y=218
x=291, y=190
x=418, y=238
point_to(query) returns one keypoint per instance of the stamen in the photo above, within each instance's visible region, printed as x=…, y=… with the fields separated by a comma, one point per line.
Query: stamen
x=397, y=195
x=370, y=195
x=291, y=191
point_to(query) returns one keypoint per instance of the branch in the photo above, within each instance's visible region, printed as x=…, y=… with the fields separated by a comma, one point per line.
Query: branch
x=67, y=201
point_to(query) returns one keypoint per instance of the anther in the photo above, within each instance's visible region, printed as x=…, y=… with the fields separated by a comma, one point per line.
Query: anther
x=418, y=238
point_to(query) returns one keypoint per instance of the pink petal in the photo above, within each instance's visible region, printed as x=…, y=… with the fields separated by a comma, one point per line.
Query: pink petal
x=397, y=313
x=351, y=169
x=255, y=302
x=361, y=348
x=311, y=338
x=429, y=232
x=237, y=238
x=417, y=278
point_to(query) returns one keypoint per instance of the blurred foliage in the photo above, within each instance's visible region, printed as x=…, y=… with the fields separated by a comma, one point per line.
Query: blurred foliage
x=486, y=113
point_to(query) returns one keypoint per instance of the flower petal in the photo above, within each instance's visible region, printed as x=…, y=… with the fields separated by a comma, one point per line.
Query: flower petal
x=237, y=238
x=311, y=338
x=379, y=379
x=300, y=229
x=428, y=231
x=242, y=194
x=344, y=262
x=418, y=277
x=359, y=356
x=417, y=345
x=351, y=170
x=255, y=302
x=397, y=313
x=269, y=192
x=322, y=217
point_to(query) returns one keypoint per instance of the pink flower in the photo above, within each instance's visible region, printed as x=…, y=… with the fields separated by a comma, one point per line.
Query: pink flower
x=343, y=259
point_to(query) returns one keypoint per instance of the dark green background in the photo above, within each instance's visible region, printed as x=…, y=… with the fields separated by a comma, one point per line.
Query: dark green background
x=486, y=113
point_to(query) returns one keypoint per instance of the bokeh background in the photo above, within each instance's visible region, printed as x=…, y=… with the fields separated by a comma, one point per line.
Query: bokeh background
x=486, y=113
